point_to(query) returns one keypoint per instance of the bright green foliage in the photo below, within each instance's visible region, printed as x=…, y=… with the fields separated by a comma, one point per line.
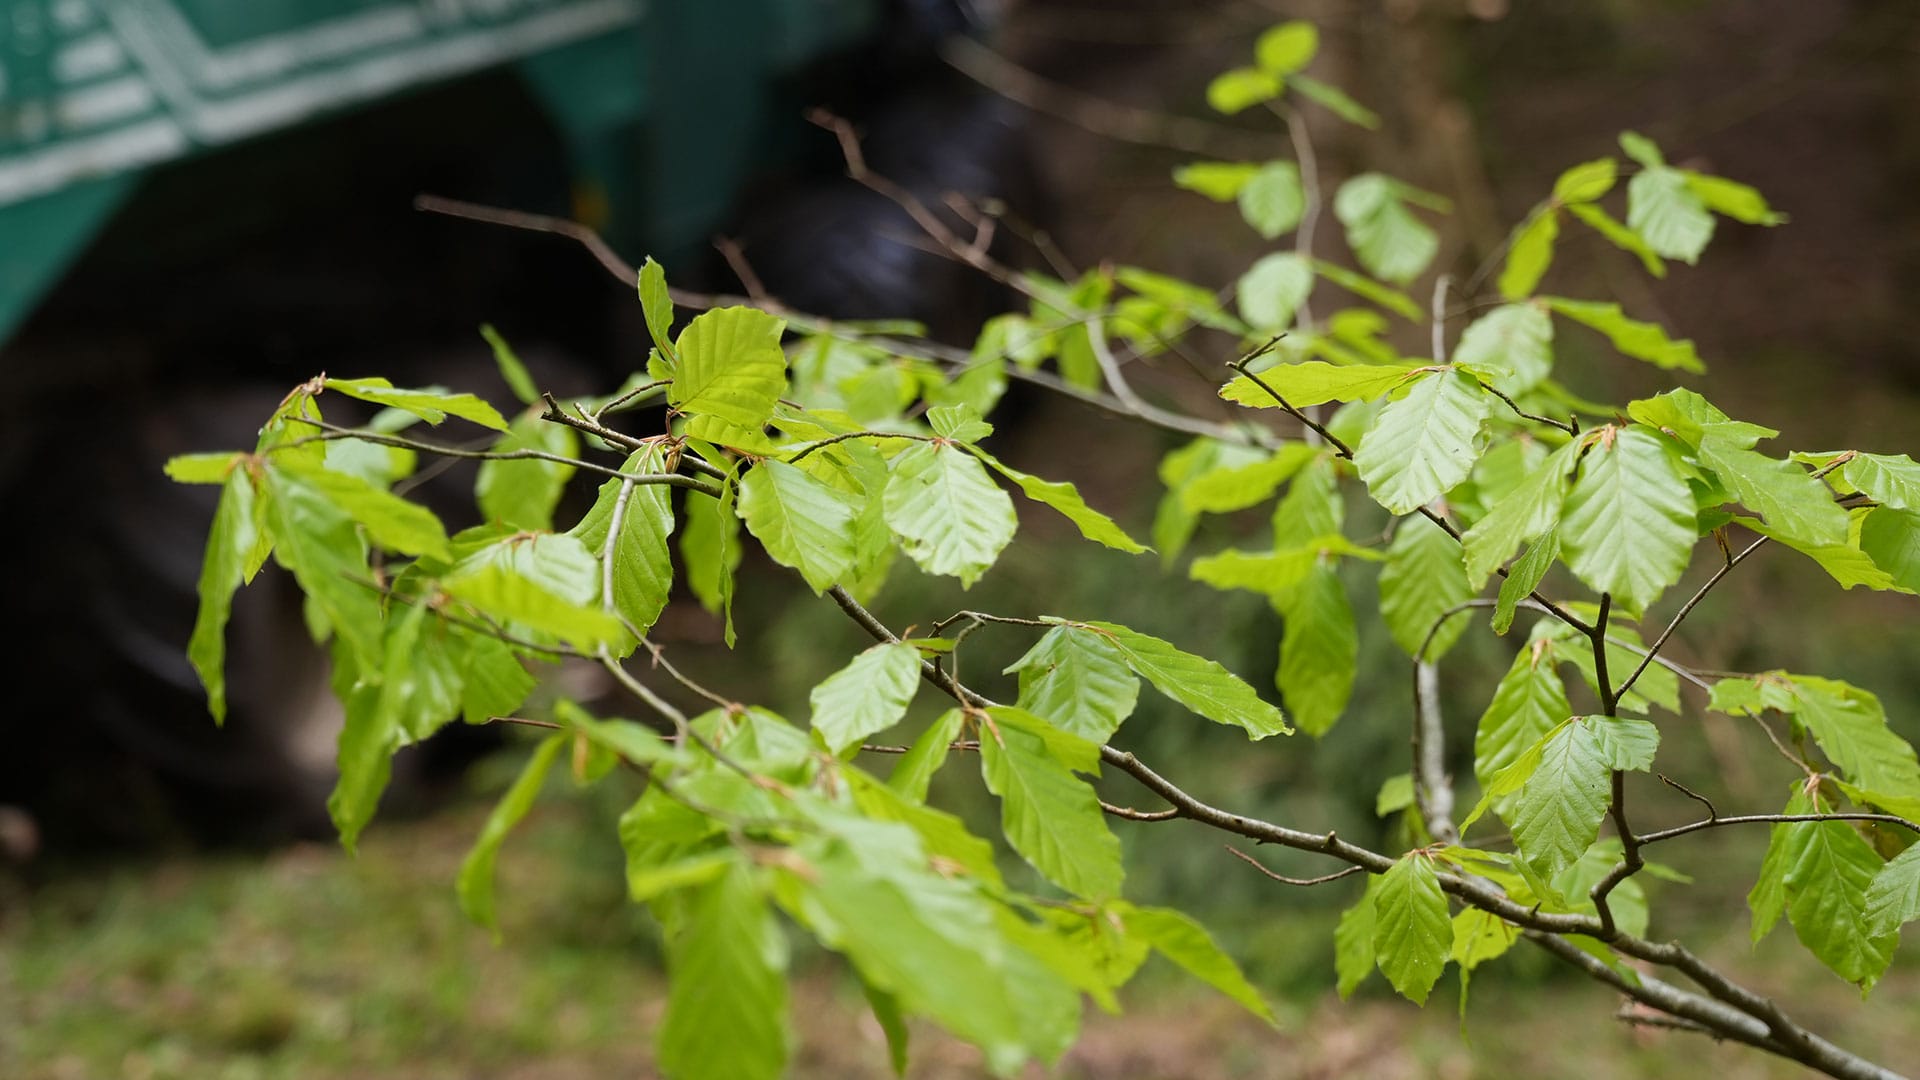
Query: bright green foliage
x=1514, y=339
x=1422, y=578
x=1272, y=199
x=1051, y=817
x=949, y=515
x=1078, y=682
x=474, y=886
x=724, y=944
x=869, y=695
x=1628, y=523
x=801, y=522
x=866, y=449
x=1412, y=934
x=1315, y=382
x=1318, y=651
x=1390, y=242
x=731, y=373
x=1422, y=444
x=1196, y=682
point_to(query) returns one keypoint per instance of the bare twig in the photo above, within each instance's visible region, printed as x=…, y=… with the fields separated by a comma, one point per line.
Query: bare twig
x=1714, y=821
x=1131, y=814
x=1685, y=610
x=1282, y=879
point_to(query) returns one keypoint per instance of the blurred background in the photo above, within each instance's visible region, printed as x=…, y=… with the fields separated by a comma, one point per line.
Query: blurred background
x=203, y=203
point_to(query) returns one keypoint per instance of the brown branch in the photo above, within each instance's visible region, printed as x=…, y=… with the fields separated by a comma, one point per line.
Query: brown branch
x=1685, y=610
x=1716, y=821
x=1131, y=814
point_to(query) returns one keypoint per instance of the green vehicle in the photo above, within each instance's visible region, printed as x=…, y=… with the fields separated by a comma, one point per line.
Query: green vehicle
x=205, y=202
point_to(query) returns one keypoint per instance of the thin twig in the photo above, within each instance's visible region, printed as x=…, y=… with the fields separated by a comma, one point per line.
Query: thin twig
x=1686, y=609
x=1713, y=822
x=1284, y=880
x=1131, y=814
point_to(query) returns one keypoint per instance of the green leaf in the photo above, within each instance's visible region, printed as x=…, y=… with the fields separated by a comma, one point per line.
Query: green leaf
x=727, y=1004
x=710, y=549
x=1528, y=511
x=1530, y=702
x=474, y=885
x=1894, y=896
x=1640, y=340
x=234, y=532
x=511, y=369
x=389, y=520
x=1891, y=538
x=949, y=515
x=1233, y=91
x=732, y=373
x=914, y=773
x=1736, y=200
x=1288, y=47
x=1185, y=942
x=1319, y=651
x=1791, y=500
x=1516, y=339
x=657, y=307
x=202, y=468
x=1272, y=200
x=1423, y=577
x=1335, y=101
x=1690, y=418
x=432, y=406
x=960, y=423
x=1077, y=681
x=1227, y=488
x=320, y=542
x=1768, y=897
x=1557, y=812
x=1368, y=289
x=1629, y=523
x=1196, y=682
x=1353, y=948
x=1412, y=934
x=1524, y=577
x=1529, y=253
x=1273, y=289
x=1586, y=181
x=1892, y=480
x=1064, y=498
x=1395, y=795
x=1220, y=181
x=803, y=523
x=1388, y=240
x=1050, y=816
x=1315, y=382
x=1829, y=870
x=869, y=695
x=522, y=493
x=1620, y=236
x=1422, y=444
x=1668, y=214
x=1312, y=512
x=1173, y=523
x=1658, y=685
x=1851, y=727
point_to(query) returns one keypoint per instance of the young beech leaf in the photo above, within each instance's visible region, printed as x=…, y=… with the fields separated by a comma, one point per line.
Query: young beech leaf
x=1668, y=213
x=960, y=423
x=1619, y=235
x=1422, y=444
x=1078, y=682
x=1586, y=181
x=1556, y=813
x=512, y=371
x=1529, y=702
x=1220, y=181
x=1287, y=47
x=432, y=406
x=726, y=942
x=1530, y=509
x=732, y=373
x=1272, y=199
x=1530, y=253
x=710, y=549
x=914, y=773
x=1524, y=577
x=1851, y=727
x=1319, y=649
x=1891, y=480
x=1423, y=577
x=1628, y=525
x=1353, y=942
x=1272, y=289
x=1792, y=501
x=869, y=695
x=1237, y=89
x=1478, y=936
x=949, y=515
x=1050, y=816
x=1516, y=340
x=802, y=523
x=1829, y=869
x=1640, y=340
x=474, y=885
x=1412, y=933
x=1227, y=488
x=1335, y=100
x=657, y=307
x=1368, y=289
x=1315, y=382
x=1176, y=936
x=1389, y=241
x=1891, y=538
x=235, y=531
x=1196, y=682
x=1894, y=896
x=1065, y=498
